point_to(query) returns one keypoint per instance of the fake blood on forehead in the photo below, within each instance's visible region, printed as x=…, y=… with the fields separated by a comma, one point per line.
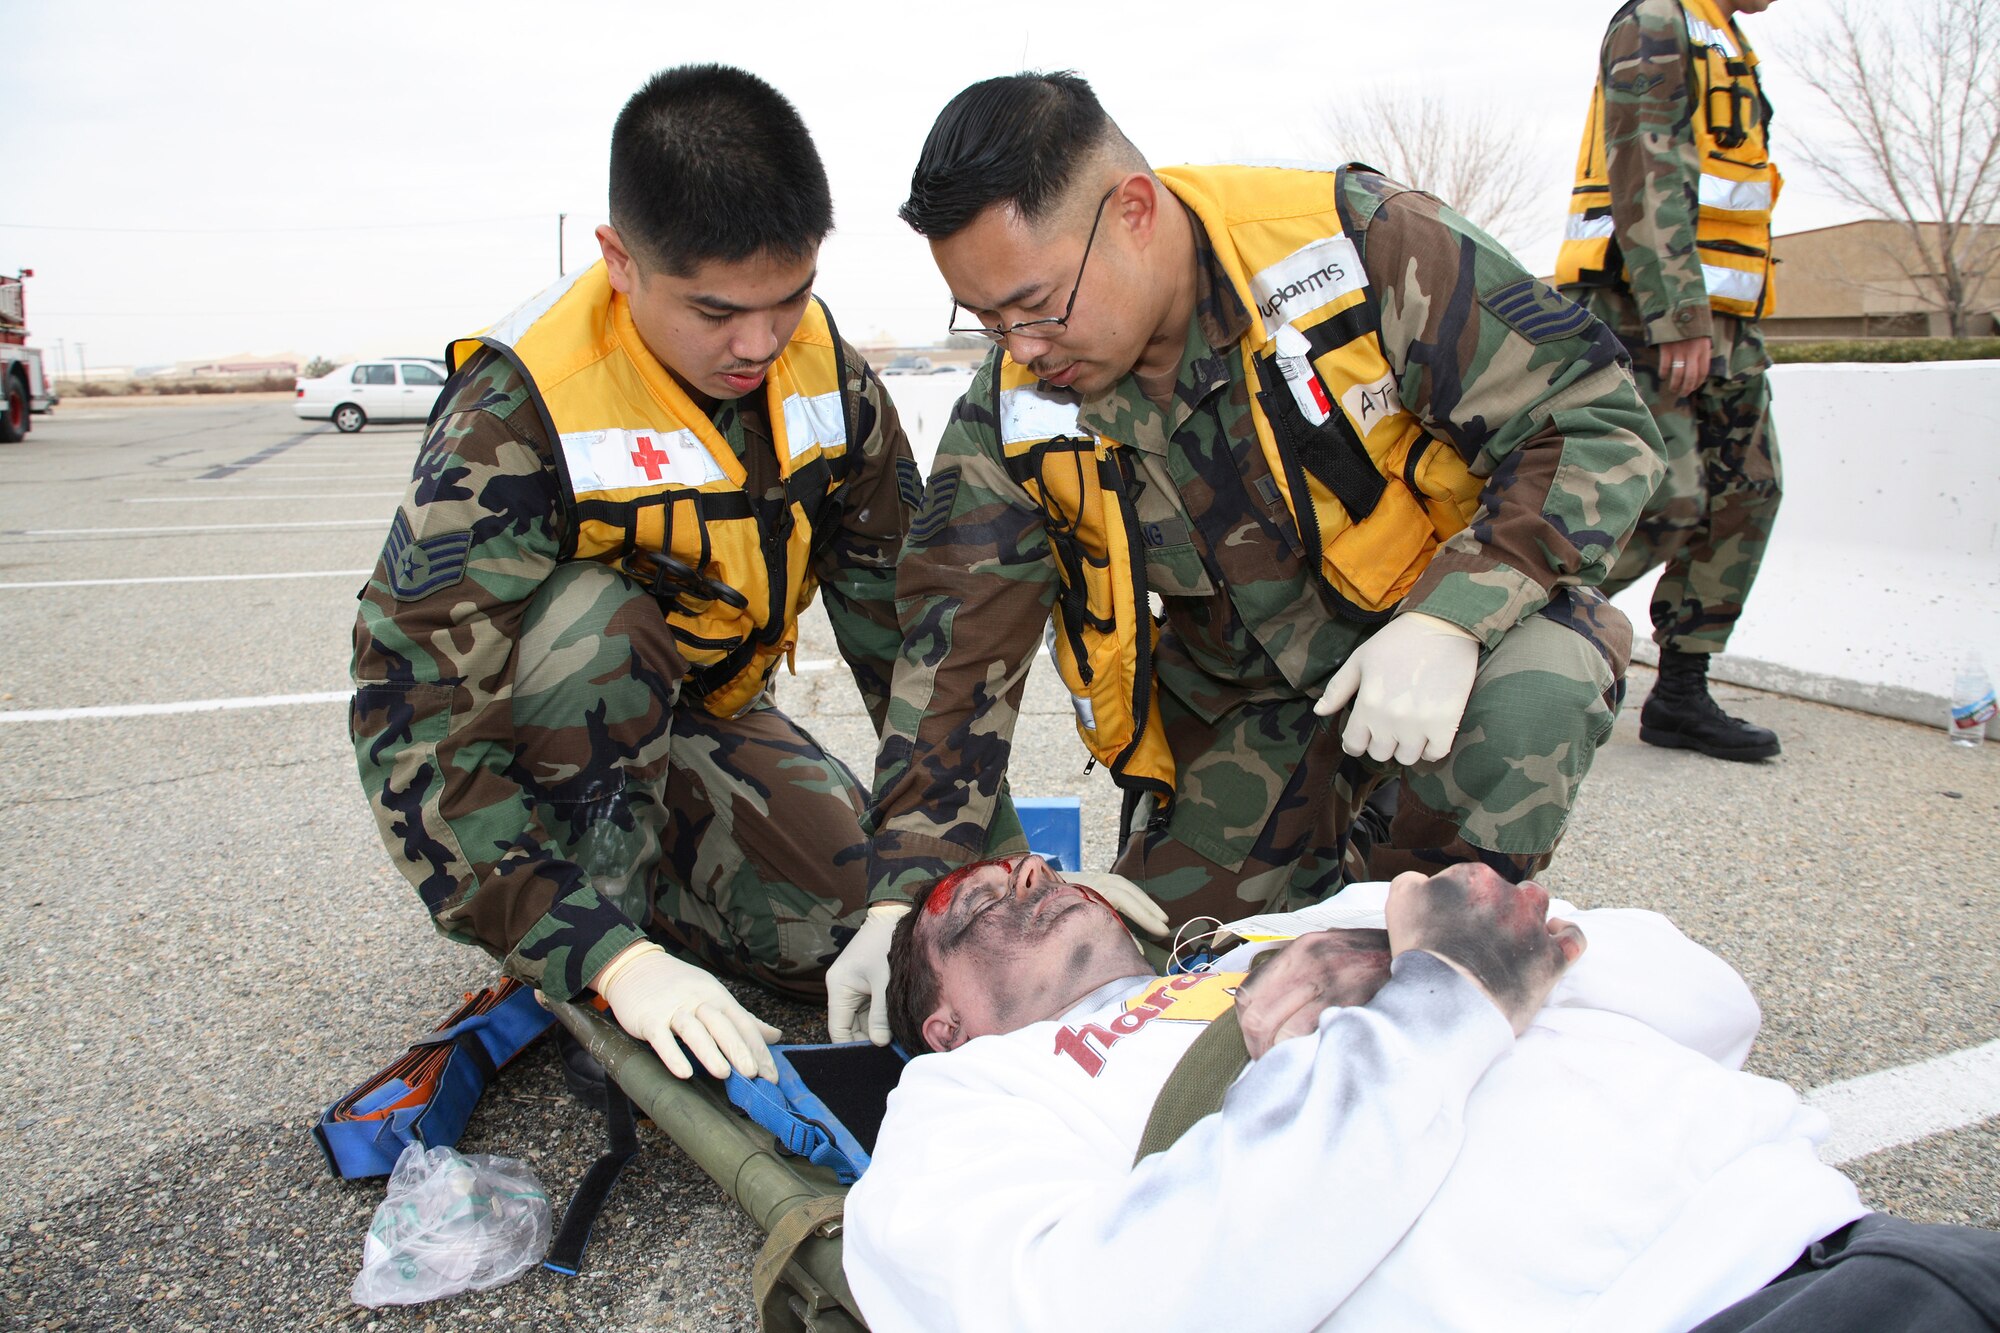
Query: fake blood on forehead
x=940, y=900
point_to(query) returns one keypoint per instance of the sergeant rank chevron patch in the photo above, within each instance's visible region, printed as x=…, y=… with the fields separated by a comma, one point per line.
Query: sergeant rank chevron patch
x=420, y=568
x=1536, y=312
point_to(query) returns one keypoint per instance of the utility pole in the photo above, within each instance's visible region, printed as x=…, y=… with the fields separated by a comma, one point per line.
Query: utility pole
x=560, y=219
x=62, y=365
x=83, y=363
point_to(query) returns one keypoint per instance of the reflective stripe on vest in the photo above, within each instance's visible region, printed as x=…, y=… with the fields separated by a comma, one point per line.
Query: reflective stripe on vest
x=1105, y=633
x=1737, y=189
x=653, y=489
x=1371, y=497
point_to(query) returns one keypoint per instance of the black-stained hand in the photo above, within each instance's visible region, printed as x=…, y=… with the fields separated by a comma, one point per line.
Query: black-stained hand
x=1285, y=996
x=1497, y=934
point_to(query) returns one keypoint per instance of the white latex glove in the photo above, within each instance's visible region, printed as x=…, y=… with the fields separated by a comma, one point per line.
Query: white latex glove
x=1133, y=903
x=1409, y=683
x=857, y=985
x=657, y=998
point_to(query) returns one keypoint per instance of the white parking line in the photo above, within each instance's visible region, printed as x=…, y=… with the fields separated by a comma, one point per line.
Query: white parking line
x=190, y=578
x=294, y=481
x=1891, y=1107
x=208, y=499
x=198, y=527
x=156, y=710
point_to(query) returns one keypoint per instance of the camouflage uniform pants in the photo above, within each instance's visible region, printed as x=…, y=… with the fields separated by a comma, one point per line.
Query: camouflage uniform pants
x=1265, y=795
x=1710, y=520
x=736, y=840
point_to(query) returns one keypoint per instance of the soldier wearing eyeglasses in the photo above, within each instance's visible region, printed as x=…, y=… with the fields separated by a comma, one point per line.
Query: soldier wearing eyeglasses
x=1314, y=483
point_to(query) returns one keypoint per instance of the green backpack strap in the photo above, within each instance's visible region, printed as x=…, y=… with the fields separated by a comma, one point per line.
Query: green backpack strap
x=1199, y=1082
x=1196, y=1086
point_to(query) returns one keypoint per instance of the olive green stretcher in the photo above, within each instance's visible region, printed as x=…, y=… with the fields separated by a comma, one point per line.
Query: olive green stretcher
x=797, y=1279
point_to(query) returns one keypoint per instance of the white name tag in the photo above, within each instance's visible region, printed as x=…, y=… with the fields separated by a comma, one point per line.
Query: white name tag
x=617, y=459
x=1307, y=279
x=1030, y=414
x=1366, y=404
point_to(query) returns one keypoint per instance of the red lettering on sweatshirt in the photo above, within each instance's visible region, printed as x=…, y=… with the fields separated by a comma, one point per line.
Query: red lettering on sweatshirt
x=1091, y=1043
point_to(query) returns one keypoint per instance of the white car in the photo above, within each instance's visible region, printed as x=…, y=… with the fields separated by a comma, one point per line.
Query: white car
x=389, y=389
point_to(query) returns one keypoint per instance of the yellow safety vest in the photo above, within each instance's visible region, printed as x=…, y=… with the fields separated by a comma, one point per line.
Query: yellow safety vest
x=651, y=488
x=1371, y=495
x=1739, y=182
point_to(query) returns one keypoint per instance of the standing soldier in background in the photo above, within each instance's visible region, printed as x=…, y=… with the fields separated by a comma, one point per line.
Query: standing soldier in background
x=629, y=492
x=1369, y=467
x=1669, y=242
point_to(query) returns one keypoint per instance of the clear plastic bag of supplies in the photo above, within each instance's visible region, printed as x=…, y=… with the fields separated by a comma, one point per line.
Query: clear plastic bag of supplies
x=451, y=1223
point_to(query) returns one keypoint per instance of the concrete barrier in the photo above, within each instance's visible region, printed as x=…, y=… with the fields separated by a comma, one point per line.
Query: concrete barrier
x=1885, y=566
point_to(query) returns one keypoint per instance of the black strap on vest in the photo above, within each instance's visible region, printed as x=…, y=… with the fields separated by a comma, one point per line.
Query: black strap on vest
x=1330, y=451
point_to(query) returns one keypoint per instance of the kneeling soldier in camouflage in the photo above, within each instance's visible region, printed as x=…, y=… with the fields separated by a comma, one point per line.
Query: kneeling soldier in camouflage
x=1365, y=463
x=632, y=487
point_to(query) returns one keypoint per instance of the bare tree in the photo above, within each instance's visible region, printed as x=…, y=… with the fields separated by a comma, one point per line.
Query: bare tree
x=1459, y=152
x=1920, y=100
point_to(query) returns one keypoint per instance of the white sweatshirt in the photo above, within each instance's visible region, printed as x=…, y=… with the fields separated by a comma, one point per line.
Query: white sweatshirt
x=1412, y=1166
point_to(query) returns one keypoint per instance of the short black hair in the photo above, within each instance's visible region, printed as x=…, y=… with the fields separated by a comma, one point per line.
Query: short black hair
x=709, y=162
x=912, y=994
x=1014, y=140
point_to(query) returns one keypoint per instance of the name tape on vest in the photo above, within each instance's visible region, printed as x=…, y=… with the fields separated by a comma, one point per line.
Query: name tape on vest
x=1306, y=279
x=1366, y=404
x=1030, y=414
x=618, y=459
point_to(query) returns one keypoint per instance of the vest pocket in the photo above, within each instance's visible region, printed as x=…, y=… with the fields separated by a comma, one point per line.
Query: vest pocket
x=1381, y=557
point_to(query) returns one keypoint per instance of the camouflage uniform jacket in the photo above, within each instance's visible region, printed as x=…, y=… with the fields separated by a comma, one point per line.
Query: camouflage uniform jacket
x=1531, y=393
x=1647, y=69
x=434, y=671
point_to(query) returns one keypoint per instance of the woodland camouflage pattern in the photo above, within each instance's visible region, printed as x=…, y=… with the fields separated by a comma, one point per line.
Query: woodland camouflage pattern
x=1265, y=796
x=521, y=735
x=1711, y=519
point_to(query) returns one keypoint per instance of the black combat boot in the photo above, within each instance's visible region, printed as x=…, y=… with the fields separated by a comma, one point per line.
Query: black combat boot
x=1680, y=715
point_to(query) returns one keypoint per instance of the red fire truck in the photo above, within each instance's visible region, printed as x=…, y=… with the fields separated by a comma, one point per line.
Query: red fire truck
x=28, y=389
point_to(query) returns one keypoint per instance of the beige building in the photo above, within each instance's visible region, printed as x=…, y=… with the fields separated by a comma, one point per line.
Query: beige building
x=1854, y=281
x=243, y=365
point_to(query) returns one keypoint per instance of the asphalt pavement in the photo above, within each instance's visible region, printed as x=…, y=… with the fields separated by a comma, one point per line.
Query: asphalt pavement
x=206, y=942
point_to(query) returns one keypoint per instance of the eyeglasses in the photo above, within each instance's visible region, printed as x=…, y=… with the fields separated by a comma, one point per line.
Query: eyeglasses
x=1036, y=328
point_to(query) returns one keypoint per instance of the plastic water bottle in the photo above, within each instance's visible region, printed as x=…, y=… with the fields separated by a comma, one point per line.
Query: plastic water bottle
x=1972, y=703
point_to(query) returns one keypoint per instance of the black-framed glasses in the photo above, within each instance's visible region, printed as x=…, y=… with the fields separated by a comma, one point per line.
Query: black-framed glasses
x=1037, y=328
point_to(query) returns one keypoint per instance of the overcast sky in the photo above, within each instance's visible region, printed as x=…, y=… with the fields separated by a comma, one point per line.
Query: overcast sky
x=195, y=180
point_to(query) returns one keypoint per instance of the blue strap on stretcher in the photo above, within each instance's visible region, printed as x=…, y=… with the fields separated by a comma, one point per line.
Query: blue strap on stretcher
x=797, y=1118
x=426, y=1096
